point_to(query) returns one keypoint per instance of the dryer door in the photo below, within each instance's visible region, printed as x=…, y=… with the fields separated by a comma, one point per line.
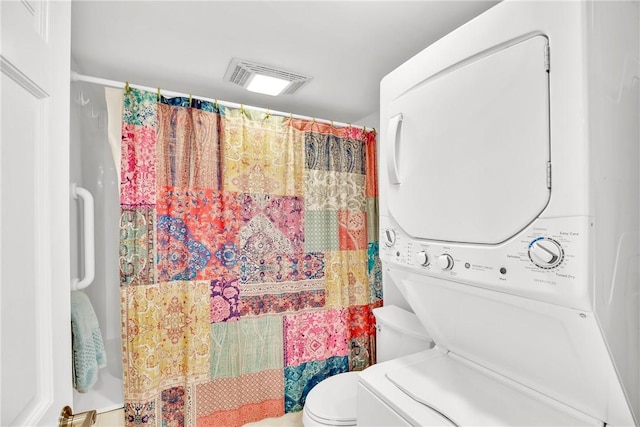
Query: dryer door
x=467, y=149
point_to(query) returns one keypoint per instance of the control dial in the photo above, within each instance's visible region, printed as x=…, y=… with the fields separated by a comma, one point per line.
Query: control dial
x=422, y=258
x=445, y=262
x=389, y=237
x=546, y=253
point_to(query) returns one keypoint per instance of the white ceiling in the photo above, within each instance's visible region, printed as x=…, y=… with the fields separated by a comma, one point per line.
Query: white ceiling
x=184, y=46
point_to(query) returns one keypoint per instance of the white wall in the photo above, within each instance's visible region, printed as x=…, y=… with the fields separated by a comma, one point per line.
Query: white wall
x=75, y=176
x=93, y=168
x=370, y=121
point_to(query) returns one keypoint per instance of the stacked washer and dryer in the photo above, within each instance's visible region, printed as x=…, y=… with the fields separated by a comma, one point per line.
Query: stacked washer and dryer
x=509, y=203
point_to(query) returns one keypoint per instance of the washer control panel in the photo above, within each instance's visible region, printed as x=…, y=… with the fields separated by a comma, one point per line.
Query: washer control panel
x=546, y=261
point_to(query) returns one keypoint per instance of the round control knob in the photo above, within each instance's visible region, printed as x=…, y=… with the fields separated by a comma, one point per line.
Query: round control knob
x=445, y=262
x=389, y=237
x=546, y=252
x=422, y=258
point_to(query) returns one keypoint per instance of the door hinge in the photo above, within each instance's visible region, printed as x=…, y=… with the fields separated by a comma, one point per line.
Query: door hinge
x=547, y=58
x=549, y=175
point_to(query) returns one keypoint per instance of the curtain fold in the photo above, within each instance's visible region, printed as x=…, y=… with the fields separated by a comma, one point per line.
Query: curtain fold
x=248, y=258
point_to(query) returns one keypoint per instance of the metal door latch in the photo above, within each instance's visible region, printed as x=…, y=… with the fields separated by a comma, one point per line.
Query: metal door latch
x=69, y=419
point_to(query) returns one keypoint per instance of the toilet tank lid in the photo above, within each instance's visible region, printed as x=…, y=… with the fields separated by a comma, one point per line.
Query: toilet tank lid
x=401, y=320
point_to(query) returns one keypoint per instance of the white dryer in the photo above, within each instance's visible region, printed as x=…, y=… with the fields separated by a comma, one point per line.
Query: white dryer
x=509, y=204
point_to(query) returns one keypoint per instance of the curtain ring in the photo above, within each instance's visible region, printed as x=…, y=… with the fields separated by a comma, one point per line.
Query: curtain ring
x=127, y=88
x=266, y=117
x=242, y=109
x=190, y=100
x=332, y=124
x=159, y=96
x=217, y=106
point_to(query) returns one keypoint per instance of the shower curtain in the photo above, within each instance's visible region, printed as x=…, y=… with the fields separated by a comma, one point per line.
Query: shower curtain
x=248, y=258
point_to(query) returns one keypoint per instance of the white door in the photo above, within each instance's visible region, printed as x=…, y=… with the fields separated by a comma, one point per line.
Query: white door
x=35, y=340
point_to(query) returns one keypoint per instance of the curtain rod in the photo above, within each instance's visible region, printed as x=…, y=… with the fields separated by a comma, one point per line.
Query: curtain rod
x=77, y=77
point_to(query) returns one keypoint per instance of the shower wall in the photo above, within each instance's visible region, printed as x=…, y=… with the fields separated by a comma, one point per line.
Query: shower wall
x=92, y=167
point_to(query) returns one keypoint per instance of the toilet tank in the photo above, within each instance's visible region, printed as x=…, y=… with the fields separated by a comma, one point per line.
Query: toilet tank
x=398, y=333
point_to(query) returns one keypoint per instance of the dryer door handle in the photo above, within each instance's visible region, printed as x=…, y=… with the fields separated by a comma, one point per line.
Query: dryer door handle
x=394, y=133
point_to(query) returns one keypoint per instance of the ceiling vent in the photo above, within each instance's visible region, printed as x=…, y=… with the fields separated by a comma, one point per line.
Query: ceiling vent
x=242, y=73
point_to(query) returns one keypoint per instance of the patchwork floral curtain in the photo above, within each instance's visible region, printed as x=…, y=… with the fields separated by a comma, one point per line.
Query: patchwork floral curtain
x=248, y=260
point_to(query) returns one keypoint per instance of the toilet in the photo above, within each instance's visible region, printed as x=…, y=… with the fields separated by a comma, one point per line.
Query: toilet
x=333, y=401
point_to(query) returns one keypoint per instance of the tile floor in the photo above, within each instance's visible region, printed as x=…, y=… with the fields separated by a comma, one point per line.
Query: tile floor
x=110, y=419
x=287, y=420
